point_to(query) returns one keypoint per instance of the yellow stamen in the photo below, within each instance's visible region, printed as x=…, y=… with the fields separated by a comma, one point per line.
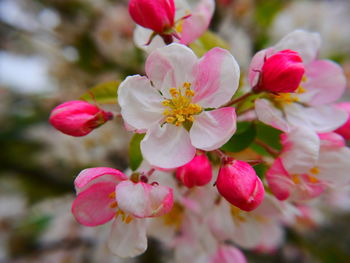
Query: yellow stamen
x=237, y=214
x=180, y=108
x=112, y=195
x=113, y=205
x=174, y=217
x=295, y=178
x=315, y=170
x=300, y=90
x=312, y=179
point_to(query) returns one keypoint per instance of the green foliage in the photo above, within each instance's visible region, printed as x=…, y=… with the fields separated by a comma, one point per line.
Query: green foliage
x=269, y=135
x=243, y=137
x=135, y=155
x=104, y=93
x=206, y=42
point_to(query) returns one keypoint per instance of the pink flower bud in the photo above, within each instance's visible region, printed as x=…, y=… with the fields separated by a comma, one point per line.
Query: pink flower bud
x=158, y=15
x=197, y=172
x=238, y=183
x=282, y=72
x=345, y=129
x=78, y=118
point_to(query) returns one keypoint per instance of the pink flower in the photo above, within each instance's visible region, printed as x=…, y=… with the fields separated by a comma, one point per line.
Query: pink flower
x=238, y=183
x=105, y=193
x=323, y=83
x=228, y=254
x=191, y=23
x=170, y=105
x=158, y=15
x=197, y=172
x=281, y=72
x=345, y=129
x=78, y=118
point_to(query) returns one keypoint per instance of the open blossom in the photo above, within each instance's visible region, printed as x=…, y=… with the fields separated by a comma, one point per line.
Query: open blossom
x=310, y=105
x=308, y=165
x=171, y=103
x=78, y=118
x=158, y=15
x=197, y=172
x=238, y=183
x=282, y=72
x=190, y=23
x=104, y=194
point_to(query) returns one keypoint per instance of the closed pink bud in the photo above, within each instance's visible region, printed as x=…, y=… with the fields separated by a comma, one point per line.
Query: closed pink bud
x=282, y=72
x=345, y=129
x=238, y=183
x=78, y=118
x=158, y=15
x=197, y=172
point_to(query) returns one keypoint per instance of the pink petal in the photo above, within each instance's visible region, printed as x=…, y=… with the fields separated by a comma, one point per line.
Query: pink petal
x=90, y=176
x=344, y=130
x=170, y=67
x=144, y=200
x=228, y=254
x=216, y=78
x=212, y=129
x=305, y=43
x=198, y=22
x=141, y=37
x=141, y=104
x=92, y=207
x=269, y=115
x=325, y=80
x=300, y=150
x=331, y=140
x=128, y=240
x=168, y=146
x=279, y=180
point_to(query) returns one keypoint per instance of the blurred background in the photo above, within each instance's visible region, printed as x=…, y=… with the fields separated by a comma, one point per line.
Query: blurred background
x=52, y=51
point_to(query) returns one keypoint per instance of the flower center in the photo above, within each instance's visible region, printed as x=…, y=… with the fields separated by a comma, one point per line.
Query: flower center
x=125, y=218
x=289, y=98
x=180, y=107
x=296, y=178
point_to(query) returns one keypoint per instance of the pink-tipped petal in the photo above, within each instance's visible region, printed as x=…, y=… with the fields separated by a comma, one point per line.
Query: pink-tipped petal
x=90, y=176
x=216, y=78
x=170, y=66
x=300, y=149
x=141, y=104
x=168, y=146
x=194, y=26
x=228, y=254
x=144, y=200
x=325, y=80
x=307, y=44
x=269, y=115
x=344, y=130
x=128, y=240
x=255, y=67
x=212, y=129
x=331, y=140
x=279, y=180
x=93, y=206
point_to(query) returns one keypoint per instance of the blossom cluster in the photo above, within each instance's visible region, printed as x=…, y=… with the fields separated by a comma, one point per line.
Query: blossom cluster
x=194, y=190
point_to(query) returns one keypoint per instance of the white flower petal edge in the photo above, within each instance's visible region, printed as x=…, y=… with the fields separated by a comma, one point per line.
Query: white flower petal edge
x=305, y=43
x=212, y=129
x=168, y=146
x=216, y=78
x=170, y=66
x=128, y=240
x=140, y=103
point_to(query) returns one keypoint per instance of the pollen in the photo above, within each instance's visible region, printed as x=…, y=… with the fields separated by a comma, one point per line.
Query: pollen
x=237, y=214
x=296, y=179
x=180, y=108
x=315, y=170
x=285, y=98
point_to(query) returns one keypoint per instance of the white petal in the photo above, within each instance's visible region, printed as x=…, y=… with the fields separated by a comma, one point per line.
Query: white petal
x=141, y=104
x=301, y=148
x=212, y=129
x=168, y=146
x=142, y=36
x=170, y=66
x=307, y=44
x=128, y=240
x=323, y=118
x=269, y=115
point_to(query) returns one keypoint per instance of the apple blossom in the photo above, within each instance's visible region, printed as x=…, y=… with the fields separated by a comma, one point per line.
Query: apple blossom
x=105, y=193
x=197, y=172
x=172, y=103
x=345, y=129
x=238, y=183
x=78, y=118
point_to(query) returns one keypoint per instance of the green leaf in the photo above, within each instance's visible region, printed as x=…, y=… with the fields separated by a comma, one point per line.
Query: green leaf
x=261, y=169
x=135, y=155
x=243, y=137
x=104, y=93
x=206, y=42
x=269, y=135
